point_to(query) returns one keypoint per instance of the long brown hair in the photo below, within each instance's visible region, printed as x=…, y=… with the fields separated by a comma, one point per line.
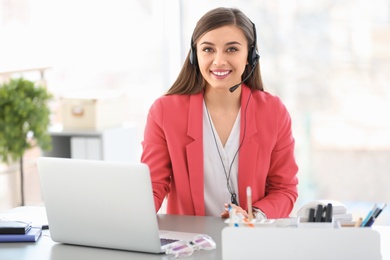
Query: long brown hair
x=190, y=80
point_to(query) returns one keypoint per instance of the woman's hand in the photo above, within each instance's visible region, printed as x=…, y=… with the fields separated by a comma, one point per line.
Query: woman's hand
x=238, y=209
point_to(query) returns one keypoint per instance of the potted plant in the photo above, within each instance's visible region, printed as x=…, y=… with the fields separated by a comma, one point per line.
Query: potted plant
x=24, y=121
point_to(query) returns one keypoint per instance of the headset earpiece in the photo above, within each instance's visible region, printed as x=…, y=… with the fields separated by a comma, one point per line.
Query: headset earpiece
x=193, y=57
x=253, y=56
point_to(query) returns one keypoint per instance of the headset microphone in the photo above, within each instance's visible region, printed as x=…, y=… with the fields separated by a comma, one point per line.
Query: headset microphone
x=232, y=89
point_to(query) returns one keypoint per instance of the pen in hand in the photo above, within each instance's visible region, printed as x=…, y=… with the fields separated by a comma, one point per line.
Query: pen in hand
x=249, y=200
x=238, y=209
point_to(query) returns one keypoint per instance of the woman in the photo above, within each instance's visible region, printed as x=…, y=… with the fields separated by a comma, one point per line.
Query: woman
x=216, y=131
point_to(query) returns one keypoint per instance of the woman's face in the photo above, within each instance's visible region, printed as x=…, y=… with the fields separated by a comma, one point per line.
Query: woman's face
x=222, y=56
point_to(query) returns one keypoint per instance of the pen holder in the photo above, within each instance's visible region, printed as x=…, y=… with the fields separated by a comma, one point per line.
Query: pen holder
x=304, y=224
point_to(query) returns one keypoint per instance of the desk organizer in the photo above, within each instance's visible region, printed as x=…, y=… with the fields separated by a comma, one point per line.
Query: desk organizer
x=300, y=243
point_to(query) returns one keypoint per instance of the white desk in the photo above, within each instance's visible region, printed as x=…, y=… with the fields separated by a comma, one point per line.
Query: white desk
x=45, y=248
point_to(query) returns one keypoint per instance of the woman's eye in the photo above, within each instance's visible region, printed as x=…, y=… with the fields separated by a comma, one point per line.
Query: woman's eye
x=207, y=50
x=232, y=49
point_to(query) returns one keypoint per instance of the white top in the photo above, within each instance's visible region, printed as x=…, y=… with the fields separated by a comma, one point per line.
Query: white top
x=216, y=192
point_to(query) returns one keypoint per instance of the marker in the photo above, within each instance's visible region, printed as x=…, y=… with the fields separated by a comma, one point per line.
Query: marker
x=374, y=216
x=311, y=215
x=249, y=200
x=371, y=220
x=328, y=213
x=380, y=211
x=368, y=216
x=234, y=217
x=319, y=213
x=231, y=217
x=359, y=222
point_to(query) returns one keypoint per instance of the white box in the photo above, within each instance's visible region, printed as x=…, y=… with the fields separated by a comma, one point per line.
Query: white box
x=92, y=109
x=89, y=148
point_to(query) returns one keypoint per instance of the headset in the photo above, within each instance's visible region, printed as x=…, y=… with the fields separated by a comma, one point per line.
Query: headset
x=253, y=56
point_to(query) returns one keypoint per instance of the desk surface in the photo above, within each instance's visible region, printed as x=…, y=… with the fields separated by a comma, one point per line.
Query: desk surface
x=45, y=248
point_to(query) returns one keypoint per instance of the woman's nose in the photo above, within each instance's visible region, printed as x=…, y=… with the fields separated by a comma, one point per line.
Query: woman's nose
x=219, y=59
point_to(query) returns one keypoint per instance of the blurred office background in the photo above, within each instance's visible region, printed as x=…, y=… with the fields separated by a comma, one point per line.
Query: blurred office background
x=328, y=60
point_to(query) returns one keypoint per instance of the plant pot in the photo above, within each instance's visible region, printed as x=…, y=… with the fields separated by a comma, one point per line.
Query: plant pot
x=9, y=187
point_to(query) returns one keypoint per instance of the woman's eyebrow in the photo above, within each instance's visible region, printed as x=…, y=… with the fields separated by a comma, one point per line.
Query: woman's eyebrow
x=232, y=43
x=208, y=43
x=228, y=43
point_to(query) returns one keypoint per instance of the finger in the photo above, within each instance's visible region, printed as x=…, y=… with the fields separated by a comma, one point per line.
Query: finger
x=242, y=211
x=225, y=214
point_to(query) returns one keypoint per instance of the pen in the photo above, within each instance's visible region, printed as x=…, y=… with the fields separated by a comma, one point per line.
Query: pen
x=234, y=217
x=311, y=215
x=249, y=200
x=368, y=216
x=328, y=212
x=319, y=213
x=231, y=217
x=380, y=211
x=359, y=222
x=374, y=216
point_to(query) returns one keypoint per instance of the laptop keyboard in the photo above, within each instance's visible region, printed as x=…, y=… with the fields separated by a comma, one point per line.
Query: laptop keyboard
x=165, y=241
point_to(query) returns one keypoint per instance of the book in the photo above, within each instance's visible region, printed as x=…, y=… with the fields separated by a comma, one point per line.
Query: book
x=31, y=236
x=14, y=227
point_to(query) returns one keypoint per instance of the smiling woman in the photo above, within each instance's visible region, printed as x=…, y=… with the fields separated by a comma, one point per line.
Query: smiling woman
x=205, y=144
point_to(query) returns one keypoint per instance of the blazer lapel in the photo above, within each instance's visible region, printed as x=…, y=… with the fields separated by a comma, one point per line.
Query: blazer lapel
x=195, y=152
x=249, y=149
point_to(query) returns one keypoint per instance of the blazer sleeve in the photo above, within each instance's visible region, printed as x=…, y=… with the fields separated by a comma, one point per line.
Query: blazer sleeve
x=281, y=183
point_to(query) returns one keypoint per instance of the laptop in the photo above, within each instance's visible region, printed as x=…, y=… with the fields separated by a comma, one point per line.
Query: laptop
x=102, y=204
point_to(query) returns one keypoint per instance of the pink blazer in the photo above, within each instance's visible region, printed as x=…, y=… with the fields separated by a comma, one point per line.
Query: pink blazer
x=173, y=150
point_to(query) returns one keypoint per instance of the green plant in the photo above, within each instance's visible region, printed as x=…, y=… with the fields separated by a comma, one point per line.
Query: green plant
x=24, y=120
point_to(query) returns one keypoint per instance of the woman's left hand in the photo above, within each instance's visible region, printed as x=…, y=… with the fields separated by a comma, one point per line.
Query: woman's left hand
x=238, y=209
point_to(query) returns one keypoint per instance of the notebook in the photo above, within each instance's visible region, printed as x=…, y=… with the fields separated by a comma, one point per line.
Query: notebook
x=102, y=204
x=31, y=235
x=14, y=227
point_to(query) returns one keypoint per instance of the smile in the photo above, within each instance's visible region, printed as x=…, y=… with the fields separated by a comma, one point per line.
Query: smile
x=220, y=73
